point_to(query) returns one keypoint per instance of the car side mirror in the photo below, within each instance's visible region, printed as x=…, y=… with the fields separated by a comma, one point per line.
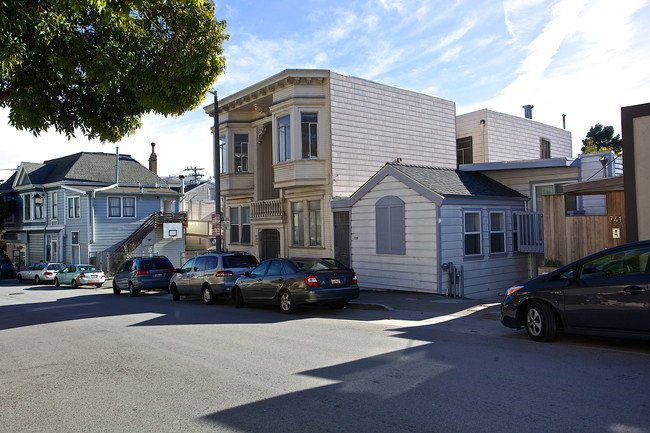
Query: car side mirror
x=248, y=274
x=571, y=276
x=178, y=271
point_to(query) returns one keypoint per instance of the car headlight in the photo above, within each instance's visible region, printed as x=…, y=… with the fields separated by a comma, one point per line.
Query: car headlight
x=513, y=289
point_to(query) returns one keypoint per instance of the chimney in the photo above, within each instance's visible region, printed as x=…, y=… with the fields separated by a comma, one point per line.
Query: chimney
x=153, y=159
x=182, y=178
x=528, y=111
x=564, y=121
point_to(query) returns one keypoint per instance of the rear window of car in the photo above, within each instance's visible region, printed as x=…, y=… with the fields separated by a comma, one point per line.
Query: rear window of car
x=87, y=269
x=156, y=263
x=239, y=261
x=55, y=267
x=317, y=264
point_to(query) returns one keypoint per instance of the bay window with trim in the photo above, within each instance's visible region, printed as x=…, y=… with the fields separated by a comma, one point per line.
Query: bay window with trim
x=39, y=205
x=497, y=232
x=309, y=130
x=472, y=233
x=241, y=153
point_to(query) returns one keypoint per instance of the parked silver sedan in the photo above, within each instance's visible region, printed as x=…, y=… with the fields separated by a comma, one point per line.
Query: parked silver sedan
x=40, y=272
x=79, y=275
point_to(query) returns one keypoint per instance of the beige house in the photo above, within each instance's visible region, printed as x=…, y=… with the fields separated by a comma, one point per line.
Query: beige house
x=293, y=142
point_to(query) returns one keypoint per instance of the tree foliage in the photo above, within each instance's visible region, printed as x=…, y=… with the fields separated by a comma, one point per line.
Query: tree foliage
x=601, y=138
x=99, y=65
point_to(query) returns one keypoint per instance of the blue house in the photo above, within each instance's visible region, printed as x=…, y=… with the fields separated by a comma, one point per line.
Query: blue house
x=89, y=207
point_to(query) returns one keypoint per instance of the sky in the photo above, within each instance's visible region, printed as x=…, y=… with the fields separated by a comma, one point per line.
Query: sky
x=584, y=59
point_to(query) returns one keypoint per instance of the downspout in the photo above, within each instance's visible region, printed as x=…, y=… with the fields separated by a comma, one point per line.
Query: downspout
x=45, y=227
x=439, y=247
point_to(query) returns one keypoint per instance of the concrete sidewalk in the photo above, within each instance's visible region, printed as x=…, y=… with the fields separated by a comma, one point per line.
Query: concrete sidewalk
x=412, y=301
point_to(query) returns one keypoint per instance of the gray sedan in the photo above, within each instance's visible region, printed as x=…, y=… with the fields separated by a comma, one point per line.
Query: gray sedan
x=291, y=282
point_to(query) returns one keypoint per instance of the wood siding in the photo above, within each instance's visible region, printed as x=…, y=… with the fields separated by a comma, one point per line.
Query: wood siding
x=417, y=270
x=568, y=238
x=510, y=138
x=372, y=124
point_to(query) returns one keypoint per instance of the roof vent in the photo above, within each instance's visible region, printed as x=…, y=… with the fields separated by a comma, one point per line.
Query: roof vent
x=528, y=111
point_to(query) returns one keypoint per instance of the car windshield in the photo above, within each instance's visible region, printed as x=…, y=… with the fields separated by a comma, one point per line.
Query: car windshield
x=156, y=263
x=239, y=261
x=317, y=264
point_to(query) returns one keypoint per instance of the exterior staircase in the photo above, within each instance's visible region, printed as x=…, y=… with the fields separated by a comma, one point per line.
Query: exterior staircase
x=156, y=219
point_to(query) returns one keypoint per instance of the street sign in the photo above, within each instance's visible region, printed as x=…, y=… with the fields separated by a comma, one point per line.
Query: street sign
x=216, y=224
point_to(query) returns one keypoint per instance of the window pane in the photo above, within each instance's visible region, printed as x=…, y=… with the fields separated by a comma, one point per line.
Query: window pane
x=129, y=206
x=497, y=243
x=241, y=152
x=472, y=222
x=297, y=223
x=114, y=207
x=234, y=224
x=497, y=222
x=314, y=223
x=472, y=244
x=284, y=138
x=309, y=129
x=245, y=224
x=223, y=155
x=541, y=190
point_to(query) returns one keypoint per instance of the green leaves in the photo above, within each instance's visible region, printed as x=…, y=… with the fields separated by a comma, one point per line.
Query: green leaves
x=98, y=66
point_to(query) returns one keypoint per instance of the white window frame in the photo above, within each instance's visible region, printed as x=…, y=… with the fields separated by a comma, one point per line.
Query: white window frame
x=501, y=233
x=53, y=205
x=287, y=134
x=242, y=158
x=302, y=144
x=74, y=200
x=121, y=208
x=223, y=148
x=27, y=207
x=473, y=233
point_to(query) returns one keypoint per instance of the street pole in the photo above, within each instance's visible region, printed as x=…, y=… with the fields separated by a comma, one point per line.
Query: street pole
x=217, y=173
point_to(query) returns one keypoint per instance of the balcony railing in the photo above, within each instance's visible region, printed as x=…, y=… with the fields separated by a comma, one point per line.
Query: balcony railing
x=530, y=227
x=267, y=208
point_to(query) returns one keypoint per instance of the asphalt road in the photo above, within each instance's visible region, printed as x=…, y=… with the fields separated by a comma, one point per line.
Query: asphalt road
x=86, y=360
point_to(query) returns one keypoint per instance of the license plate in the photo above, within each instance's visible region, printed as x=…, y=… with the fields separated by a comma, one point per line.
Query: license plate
x=93, y=276
x=157, y=275
x=335, y=281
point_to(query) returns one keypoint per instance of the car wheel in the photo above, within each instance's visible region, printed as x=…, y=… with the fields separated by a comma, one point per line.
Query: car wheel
x=540, y=321
x=56, y=282
x=132, y=290
x=20, y=279
x=208, y=296
x=98, y=285
x=175, y=295
x=338, y=305
x=37, y=280
x=238, y=297
x=286, y=302
x=116, y=290
x=74, y=284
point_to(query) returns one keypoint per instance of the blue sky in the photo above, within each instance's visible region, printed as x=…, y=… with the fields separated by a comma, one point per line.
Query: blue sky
x=585, y=59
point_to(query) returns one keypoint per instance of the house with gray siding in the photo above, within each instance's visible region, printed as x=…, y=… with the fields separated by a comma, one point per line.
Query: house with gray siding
x=424, y=229
x=296, y=140
x=74, y=208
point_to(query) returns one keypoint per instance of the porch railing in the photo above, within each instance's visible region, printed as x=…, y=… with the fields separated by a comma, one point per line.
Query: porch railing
x=530, y=228
x=267, y=208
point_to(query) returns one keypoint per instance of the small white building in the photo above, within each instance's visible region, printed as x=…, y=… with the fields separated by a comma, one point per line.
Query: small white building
x=417, y=228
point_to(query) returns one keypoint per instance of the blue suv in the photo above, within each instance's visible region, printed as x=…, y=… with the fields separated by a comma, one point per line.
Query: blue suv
x=143, y=273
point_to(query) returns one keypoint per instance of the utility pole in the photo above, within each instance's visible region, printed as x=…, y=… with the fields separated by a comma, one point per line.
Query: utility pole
x=217, y=175
x=195, y=173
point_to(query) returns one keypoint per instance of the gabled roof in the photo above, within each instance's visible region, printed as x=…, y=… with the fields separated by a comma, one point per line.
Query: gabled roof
x=83, y=167
x=438, y=184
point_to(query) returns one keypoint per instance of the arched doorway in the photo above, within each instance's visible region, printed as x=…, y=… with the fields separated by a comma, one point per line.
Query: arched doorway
x=269, y=244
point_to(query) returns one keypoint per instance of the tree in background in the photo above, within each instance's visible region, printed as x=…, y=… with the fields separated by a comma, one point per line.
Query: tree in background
x=100, y=65
x=601, y=138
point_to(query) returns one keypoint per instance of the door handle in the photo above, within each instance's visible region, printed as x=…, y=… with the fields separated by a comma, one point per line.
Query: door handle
x=634, y=290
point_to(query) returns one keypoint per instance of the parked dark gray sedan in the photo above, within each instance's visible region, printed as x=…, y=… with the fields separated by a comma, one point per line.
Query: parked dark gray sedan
x=291, y=282
x=604, y=292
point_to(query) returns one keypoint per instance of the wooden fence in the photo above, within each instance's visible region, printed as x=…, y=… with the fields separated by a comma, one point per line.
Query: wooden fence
x=570, y=237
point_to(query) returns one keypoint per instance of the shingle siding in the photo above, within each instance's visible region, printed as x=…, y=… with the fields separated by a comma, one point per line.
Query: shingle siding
x=372, y=124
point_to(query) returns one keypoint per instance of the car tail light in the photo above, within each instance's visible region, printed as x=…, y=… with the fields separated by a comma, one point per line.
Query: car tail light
x=142, y=272
x=102, y=275
x=170, y=270
x=354, y=278
x=311, y=281
x=47, y=273
x=224, y=274
x=82, y=275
